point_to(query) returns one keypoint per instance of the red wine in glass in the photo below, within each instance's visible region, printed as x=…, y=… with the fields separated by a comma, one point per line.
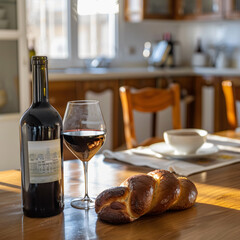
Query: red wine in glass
x=84, y=133
x=84, y=143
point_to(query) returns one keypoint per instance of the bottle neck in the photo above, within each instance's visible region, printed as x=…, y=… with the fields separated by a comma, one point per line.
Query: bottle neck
x=199, y=46
x=40, y=83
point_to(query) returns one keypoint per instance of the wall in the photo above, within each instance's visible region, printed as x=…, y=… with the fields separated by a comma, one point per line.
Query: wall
x=9, y=77
x=216, y=33
x=133, y=35
x=9, y=140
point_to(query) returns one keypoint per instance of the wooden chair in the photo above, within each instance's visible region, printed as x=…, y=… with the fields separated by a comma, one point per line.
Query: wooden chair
x=149, y=100
x=229, y=90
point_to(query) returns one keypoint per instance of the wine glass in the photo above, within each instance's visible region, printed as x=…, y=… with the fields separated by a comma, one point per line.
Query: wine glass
x=84, y=133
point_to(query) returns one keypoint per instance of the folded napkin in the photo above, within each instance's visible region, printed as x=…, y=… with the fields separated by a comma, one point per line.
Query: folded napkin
x=224, y=143
x=143, y=156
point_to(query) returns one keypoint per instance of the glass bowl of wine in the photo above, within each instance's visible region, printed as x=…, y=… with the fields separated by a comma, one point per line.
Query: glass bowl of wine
x=84, y=132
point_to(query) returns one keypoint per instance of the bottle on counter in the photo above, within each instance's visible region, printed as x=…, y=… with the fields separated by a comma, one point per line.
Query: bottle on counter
x=41, y=150
x=199, y=46
x=162, y=54
x=170, y=59
x=199, y=58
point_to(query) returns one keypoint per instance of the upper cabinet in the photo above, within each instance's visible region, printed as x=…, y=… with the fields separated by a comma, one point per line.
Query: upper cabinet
x=232, y=9
x=198, y=9
x=137, y=10
x=186, y=8
x=162, y=9
x=8, y=14
x=13, y=47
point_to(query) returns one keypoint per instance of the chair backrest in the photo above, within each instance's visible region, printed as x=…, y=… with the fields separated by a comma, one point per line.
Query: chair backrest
x=149, y=100
x=230, y=99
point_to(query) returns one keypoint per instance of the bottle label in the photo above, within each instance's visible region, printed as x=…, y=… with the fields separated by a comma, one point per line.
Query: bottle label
x=44, y=161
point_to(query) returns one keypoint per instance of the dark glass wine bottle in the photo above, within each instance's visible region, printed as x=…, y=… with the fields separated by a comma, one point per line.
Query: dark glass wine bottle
x=199, y=46
x=170, y=59
x=41, y=150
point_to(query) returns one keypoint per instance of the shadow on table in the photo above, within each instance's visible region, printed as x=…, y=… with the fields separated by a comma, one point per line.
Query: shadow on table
x=197, y=222
x=9, y=185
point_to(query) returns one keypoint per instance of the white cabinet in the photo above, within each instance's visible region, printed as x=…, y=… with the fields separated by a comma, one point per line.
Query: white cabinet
x=14, y=79
x=106, y=104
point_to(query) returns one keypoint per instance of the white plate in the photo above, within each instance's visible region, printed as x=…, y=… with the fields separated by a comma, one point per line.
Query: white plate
x=167, y=151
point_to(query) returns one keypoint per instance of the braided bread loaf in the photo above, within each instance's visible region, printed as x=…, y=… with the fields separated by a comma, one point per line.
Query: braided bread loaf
x=151, y=193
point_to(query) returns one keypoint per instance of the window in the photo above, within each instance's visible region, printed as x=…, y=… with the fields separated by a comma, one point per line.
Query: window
x=47, y=27
x=96, y=25
x=70, y=32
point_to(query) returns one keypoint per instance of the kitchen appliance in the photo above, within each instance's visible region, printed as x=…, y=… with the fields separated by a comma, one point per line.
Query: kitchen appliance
x=160, y=54
x=221, y=60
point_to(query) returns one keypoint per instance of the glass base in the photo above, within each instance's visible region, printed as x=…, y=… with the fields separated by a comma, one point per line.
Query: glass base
x=83, y=203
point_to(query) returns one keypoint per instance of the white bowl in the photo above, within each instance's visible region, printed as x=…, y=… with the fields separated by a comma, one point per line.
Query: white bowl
x=185, y=141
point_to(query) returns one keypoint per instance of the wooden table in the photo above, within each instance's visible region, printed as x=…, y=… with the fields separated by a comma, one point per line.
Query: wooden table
x=216, y=215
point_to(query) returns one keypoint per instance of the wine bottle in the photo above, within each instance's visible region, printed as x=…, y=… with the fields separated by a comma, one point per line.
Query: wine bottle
x=41, y=144
x=170, y=58
x=199, y=59
x=199, y=46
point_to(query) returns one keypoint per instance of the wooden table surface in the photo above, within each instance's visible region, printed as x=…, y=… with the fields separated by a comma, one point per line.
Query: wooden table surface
x=216, y=214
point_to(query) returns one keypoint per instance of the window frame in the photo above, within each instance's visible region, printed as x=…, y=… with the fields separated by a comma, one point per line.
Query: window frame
x=73, y=61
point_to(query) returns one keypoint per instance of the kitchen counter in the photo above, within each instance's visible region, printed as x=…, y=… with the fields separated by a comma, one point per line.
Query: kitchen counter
x=137, y=72
x=104, y=83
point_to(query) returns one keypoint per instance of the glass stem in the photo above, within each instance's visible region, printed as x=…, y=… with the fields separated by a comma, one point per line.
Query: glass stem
x=85, y=167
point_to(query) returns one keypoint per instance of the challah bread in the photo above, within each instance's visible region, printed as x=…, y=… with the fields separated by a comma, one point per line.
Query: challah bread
x=142, y=194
